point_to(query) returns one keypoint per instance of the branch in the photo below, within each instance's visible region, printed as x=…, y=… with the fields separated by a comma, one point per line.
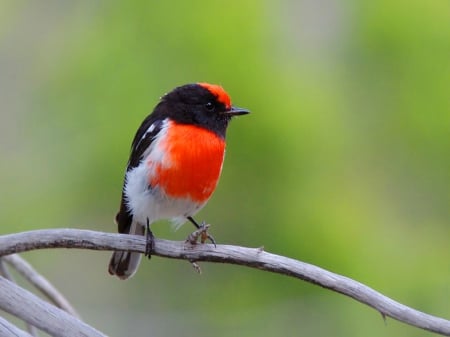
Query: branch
x=40, y=282
x=30, y=308
x=250, y=257
x=6, y=274
x=8, y=329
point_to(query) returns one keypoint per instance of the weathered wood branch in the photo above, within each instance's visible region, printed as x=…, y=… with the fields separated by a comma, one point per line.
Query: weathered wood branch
x=7, y=275
x=8, y=329
x=40, y=282
x=250, y=257
x=21, y=303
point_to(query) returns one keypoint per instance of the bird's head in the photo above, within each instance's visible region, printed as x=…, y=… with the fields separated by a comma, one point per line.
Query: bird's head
x=202, y=104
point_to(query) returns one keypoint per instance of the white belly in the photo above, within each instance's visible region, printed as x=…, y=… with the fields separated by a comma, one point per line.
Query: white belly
x=152, y=204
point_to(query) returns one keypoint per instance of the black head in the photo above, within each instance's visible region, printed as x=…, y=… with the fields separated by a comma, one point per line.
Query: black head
x=203, y=104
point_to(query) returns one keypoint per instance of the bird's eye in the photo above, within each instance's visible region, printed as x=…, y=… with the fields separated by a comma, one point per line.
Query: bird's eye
x=209, y=106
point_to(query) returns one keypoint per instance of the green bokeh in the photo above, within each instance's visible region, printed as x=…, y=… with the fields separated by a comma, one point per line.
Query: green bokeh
x=343, y=163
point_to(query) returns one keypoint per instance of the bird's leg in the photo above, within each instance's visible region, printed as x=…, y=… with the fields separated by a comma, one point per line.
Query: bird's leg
x=201, y=232
x=150, y=244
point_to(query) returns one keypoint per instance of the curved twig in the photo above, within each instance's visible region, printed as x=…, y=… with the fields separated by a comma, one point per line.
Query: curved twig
x=9, y=329
x=21, y=303
x=40, y=282
x=31, y=330
x=251, y=257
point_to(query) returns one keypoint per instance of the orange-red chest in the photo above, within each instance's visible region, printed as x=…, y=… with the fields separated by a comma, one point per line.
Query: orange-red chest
x=191, y=163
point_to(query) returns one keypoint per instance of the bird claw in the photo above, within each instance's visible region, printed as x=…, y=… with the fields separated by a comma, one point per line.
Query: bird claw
x=196, y=267
x=150, y=242
x=202, y=233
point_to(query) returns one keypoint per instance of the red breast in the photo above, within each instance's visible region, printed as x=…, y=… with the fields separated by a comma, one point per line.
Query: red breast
x=194, y=158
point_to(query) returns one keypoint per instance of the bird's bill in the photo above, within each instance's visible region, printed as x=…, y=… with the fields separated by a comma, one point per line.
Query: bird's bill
x=235, y=111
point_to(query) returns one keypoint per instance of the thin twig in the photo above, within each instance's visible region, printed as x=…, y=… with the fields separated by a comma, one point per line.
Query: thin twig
x=251, y=257
x=4, y=270
x=40, y=282
x=21, y=303
x=9, y=329
x=6, y=274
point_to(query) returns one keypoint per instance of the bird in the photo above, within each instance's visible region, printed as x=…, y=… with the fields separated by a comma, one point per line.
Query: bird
x=175, y=163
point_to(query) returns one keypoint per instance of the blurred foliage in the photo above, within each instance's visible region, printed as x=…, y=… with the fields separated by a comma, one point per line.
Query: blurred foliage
x=344, y=161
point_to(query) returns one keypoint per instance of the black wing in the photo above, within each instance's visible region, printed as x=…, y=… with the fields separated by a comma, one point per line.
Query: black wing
x=145, y=135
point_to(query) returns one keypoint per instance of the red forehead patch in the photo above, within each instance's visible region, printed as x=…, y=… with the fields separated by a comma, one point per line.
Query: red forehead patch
x=219, y=92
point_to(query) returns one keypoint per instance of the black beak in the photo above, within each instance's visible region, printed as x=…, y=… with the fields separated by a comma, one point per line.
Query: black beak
x=235, y=111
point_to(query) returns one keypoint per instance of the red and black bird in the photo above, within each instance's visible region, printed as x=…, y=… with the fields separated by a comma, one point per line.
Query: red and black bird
x=175, y=163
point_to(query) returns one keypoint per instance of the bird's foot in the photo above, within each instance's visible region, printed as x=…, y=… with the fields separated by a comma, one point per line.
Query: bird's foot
x=150, y=242
x=202, y=233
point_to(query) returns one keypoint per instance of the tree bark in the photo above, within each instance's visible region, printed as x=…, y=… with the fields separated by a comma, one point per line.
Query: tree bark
x=250, y=257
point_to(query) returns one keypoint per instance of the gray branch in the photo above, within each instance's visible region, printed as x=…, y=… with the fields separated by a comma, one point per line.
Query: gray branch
x=250, y=257
x=21, y=303
x=7, y=275
x=40, y=282
x=9, y=329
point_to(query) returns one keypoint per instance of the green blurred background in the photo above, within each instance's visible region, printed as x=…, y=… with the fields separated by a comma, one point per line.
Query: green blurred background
x=343, y=163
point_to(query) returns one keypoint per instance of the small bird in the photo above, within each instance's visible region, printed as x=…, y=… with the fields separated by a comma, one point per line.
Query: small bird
x=175, y=163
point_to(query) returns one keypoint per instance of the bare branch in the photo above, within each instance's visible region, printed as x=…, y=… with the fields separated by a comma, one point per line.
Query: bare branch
x=6, y=274
x=4, y=271
x=8, y=329
x=30, y=308
x=40, y=282
x=251, y=257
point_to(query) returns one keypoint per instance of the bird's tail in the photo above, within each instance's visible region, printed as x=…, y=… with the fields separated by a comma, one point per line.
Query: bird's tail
x=124, y=264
